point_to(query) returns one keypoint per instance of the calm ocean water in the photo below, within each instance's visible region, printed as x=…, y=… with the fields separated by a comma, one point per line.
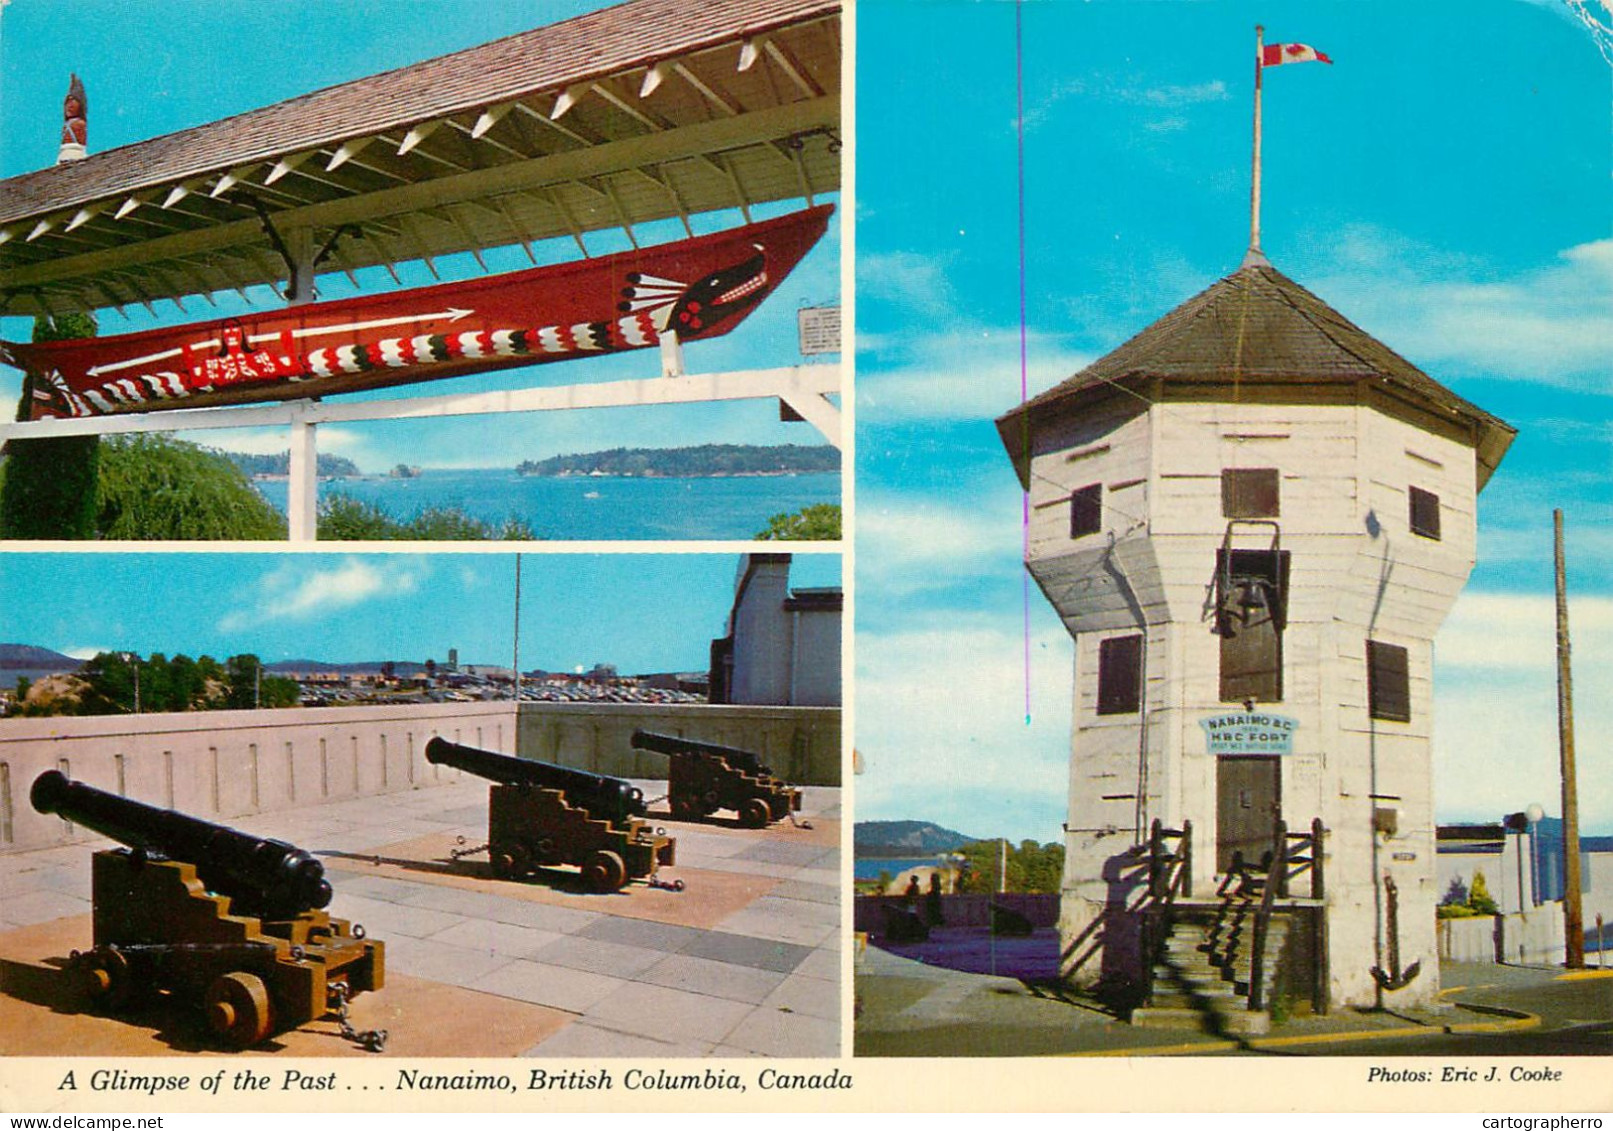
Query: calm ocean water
x=869, y=867
x=591, y=508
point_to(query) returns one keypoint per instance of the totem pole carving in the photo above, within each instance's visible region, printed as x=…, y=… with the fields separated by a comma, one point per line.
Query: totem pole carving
x=75, y=123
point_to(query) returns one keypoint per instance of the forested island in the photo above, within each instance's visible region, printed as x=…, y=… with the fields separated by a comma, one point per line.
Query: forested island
x=704, y=460
x=333, y=467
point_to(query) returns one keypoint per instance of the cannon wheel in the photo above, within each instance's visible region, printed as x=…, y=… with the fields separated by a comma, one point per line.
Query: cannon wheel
x=238, y=1008
x=605, y=871
x=754, y=813
x=104, y=974
x=503, y=865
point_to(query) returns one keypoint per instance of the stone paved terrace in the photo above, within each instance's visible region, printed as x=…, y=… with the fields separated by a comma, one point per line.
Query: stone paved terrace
x=745, y=962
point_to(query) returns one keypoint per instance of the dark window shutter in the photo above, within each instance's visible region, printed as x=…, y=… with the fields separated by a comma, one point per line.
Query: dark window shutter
x=1388, y=682
x=1249, y=493
x=1086, y=510
x=1120, y=669
x=1424, y=513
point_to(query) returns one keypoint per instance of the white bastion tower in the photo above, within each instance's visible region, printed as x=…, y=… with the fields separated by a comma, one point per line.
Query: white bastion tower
x=1252, y=517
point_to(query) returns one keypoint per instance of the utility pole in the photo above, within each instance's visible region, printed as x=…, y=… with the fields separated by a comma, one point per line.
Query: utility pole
x=1573, y=916
x=517, y=661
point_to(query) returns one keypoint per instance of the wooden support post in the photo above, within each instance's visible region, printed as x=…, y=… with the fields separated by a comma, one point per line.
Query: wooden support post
x=1573, y=912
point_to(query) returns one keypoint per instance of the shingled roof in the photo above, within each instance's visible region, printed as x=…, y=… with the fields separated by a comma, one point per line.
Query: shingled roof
x=1263, y=336
x=555, y=131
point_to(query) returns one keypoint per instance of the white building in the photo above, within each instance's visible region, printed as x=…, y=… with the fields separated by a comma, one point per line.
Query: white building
x=1252, y=517
x=783, y=645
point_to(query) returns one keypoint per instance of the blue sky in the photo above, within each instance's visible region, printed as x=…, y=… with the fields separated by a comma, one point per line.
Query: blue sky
x=203, y=60
x=1445, y=185
x=641, y=612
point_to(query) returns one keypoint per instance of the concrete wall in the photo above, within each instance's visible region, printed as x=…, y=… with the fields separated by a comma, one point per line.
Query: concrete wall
x=1533, y=938
x=801, y=744
x=223, y=764
x=219, y=765
x=961, y=910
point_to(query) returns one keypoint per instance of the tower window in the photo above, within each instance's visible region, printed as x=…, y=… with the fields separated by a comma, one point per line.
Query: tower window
x=1249, y=492
x=1120, y=669
x=1086, y=510
x=1251, y=613
x=1424, y=513
x=1388, y=682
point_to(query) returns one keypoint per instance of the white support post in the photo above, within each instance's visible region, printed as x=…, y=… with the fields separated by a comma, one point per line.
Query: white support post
x=671, y=354
x=818, y=411
x=302, y=492
x=302, y=487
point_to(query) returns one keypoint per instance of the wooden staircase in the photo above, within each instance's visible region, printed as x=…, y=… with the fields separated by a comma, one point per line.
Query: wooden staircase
x=1215, y=963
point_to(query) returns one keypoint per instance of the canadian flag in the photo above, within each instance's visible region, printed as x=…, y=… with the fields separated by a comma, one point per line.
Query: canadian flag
x=1272, y=54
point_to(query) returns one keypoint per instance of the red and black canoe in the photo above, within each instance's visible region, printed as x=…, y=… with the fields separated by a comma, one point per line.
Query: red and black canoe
x=701, y=288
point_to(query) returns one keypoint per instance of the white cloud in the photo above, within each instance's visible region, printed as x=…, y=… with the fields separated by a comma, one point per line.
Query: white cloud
x=292, y=592
x=1552, y=323
x=919, y=544
x=1517, y=633
x=1121, y=90
x=1176, y=95
x=1495, y=707
x=965, y=373
x=909, y=279
x=273, y=441
x=941, y=726
x=83, y=652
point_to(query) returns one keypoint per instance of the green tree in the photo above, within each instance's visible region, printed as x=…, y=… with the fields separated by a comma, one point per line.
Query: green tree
x=156, y=691
x=1479, y=897
x=153, y=487
x=24, y=685
x=279, y=691
x=1032, y=867
x=241, y=675
x=346, y=519
x=47, y=489
x=819, y=522
x=185, y=685
x=110, y=680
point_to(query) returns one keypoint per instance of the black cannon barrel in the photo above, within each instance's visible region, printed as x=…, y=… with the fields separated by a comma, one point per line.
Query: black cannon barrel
x=606, y=798
x=672, y=745
x=264, y=877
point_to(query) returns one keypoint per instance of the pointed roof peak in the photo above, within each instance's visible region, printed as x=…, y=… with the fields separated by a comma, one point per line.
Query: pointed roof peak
x=1259, y=334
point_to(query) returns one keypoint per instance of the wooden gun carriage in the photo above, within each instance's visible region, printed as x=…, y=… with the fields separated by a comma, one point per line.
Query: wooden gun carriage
x=226, y=919
x=706, y=777
x=541, y=815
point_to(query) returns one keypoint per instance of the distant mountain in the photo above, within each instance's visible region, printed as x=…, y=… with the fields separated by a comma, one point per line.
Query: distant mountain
x=280, y=464
x=26, y=657
x=706, y=459
x=905, y=838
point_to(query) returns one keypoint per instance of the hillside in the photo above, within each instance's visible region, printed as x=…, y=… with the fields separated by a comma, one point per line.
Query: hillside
x=329, y=466
x=27, y=657
x=704, y=460
x=905, y=838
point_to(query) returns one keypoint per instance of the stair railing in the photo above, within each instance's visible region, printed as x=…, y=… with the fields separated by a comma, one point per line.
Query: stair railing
x=1304, y=854
x=1170, y=873
x=1257, y=942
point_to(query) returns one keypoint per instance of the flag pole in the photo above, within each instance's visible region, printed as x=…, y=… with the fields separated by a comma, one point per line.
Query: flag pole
x=1254, y=184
